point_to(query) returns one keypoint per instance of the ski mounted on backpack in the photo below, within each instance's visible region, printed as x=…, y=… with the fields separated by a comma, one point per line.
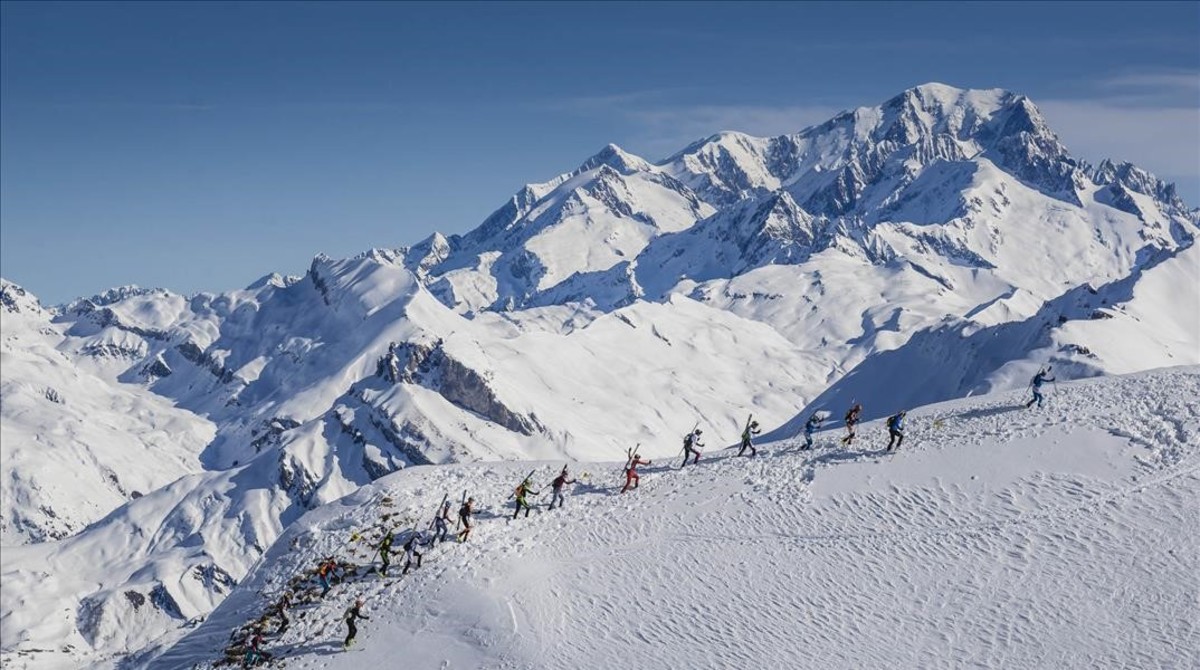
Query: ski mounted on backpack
x=437, y=512
x=690, y=438
x=527, y=478
x=629, y=454
x=463, y=504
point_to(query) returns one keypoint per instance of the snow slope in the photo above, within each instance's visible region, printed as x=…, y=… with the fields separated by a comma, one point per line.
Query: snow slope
x=996, y=537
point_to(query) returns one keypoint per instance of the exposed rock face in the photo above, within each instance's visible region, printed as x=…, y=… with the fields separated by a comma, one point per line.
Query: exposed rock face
x=192, y=352
x=271, y=434
x=430, y=366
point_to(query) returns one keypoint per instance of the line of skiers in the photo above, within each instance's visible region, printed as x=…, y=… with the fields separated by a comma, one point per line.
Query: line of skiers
x=328, y=569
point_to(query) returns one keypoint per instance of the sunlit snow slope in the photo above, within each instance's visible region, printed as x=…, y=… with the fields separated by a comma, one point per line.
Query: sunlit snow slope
x=997, y=536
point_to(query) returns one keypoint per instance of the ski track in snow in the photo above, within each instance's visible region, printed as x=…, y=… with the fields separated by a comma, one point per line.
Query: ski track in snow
x=997, y=537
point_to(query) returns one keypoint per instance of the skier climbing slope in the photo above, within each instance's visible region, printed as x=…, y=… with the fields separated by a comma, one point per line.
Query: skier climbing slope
x=853, y=415
x=814, y=422
x=895, y=426
x=631, y=473
x=352, y=615
x=748, y=433
x=556, y=487
x=691, y=446
x=1036, y=385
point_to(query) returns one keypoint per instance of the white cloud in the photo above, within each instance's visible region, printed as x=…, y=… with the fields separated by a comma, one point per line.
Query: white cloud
x=1164, y=140
x=1183, y=83
x=659, y=127
x=664, y=130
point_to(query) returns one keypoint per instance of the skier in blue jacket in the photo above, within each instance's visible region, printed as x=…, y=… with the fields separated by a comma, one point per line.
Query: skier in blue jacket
x=895, y=425
x=1040, y=378
x=810, y=427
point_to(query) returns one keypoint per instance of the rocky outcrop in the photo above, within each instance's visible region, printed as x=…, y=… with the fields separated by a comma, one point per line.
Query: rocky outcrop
x=193, y=353
x=300, y=484
x=432, y=367
x=105, y=317
x=11, y=297
x=156, y=369
x=271, y=434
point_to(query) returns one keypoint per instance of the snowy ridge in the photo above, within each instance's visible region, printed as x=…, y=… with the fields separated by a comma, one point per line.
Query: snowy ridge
x=584, y=221
x=961, y=159
x=995, y=536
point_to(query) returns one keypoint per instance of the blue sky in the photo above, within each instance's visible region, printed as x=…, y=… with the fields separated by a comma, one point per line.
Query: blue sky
x=200, y=146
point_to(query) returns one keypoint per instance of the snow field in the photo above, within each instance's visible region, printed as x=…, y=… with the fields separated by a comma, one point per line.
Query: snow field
x=996, y=537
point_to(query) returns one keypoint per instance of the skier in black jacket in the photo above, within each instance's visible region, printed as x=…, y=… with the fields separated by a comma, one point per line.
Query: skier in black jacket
x=352, y=615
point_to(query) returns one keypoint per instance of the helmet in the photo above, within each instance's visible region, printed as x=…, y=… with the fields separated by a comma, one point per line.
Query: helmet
x=698, y=431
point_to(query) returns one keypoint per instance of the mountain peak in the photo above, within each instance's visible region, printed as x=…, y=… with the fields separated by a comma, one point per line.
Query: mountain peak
x=935, y=91
x=617, y=158
x=934, y=94
x=15, y=299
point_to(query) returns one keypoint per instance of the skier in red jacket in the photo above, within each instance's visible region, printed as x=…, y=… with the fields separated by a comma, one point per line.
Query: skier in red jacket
x=631, y=475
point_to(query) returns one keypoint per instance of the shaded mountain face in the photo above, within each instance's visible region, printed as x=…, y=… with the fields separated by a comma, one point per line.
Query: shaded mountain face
x=941, y=244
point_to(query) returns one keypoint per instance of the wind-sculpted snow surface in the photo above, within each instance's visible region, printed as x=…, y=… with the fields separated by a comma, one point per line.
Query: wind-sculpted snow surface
x=996, y=537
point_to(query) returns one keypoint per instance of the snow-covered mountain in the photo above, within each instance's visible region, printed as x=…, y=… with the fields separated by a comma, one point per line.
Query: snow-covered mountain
x=942, y=244
x=77, y=444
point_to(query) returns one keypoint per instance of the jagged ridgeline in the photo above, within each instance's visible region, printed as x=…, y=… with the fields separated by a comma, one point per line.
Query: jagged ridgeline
x=941, y=244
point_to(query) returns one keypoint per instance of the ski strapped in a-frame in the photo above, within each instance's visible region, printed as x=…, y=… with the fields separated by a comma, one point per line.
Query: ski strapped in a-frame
x=690, y=436
x=527, y=478
x=464, y=502
x=437, y=512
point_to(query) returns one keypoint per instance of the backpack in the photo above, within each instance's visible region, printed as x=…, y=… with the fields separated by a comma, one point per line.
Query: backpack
x=891, y=422
x=688, y=440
